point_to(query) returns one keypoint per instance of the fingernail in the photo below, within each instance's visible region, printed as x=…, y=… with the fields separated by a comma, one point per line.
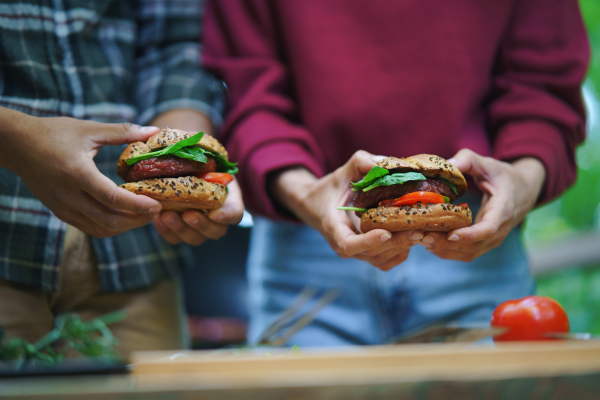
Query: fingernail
x=194, y=221
x=452, y=161
x=384, y=237
x=428, y=239
x=156, y=208
x=376, y=159
x=149, y=129
x=416, y=236
x=218, y=216
x=454, y=237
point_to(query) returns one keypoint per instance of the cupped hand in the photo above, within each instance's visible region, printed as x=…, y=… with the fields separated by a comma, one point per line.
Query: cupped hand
x=315, y=202
x=54, y=158
x=194, y=227
x=510, y=192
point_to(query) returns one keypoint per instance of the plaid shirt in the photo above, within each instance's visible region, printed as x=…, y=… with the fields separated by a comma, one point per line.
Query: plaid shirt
x=109, y=61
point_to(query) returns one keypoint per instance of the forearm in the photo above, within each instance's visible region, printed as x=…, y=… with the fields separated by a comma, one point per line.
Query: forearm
x=290, y=187
x=16, y=131
x=534, y=174
x=186, y=119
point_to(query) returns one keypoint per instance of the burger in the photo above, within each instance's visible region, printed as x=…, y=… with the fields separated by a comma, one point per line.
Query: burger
x=400, y=194
x=180, y=169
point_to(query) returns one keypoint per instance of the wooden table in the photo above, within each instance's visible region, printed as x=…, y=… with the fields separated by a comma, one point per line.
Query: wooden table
x=450, y=371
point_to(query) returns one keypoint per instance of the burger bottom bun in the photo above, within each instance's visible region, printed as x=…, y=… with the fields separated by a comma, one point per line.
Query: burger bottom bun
x=427, y=217
x=180, y=194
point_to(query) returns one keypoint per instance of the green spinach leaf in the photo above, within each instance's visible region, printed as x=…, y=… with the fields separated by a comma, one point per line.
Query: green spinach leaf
x=395, y=179
x=451, y=185
x=375, y=173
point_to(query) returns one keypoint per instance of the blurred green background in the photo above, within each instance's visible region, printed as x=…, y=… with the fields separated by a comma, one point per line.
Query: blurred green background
x=577, y=213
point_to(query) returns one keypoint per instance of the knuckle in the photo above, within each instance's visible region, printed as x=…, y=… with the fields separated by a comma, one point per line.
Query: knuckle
x=110, y=198
x=371, y=252
x=127, y=126
x=112, y=225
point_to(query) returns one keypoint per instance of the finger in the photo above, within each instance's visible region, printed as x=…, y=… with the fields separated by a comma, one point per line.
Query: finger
x=348, y=241
x=165, y=232
x=437, y=241
x=469, y=162
x=496, y=212
x=112, y=134
x=176, y=224
x=467, y=256
x=83, y=223
x=108, y=193
x=394, y=261
x=203, y=225
x=448, y=254
x=232, y=211
x=385, y=259
x=399, y=240
x=113, y=221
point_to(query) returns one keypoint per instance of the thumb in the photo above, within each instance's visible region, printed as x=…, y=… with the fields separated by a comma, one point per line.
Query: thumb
x=114, y=134
x=469, y=162
x=359, y=165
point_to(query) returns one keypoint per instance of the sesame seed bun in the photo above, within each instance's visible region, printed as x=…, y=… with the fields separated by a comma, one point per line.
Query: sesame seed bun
x=182, y=193
x=430, y=166
x=427, y=217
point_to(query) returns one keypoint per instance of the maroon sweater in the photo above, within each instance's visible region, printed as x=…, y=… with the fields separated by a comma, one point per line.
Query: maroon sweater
x=312, y=81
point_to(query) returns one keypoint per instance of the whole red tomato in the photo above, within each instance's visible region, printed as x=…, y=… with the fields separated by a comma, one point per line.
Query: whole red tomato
x=529, y=319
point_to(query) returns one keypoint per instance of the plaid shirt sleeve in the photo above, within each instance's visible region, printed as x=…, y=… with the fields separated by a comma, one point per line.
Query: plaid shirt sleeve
x=168, y=73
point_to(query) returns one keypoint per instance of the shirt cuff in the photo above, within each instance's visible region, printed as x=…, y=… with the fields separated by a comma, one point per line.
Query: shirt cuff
x=544, y=141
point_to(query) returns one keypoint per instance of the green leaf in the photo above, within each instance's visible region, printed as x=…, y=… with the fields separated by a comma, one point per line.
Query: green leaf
x=447, y=199
x=352, y=209
x=170, y=149
x=185, y=149
x=224, y=165
x=451, y=185
x=192, y=153
x=396, y=179
x=375, y=173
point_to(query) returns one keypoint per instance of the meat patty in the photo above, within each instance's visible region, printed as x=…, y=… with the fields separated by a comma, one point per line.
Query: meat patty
x=169, y=167
x=374, y=196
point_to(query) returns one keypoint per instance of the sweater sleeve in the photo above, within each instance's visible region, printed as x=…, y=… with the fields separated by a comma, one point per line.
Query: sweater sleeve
x=537, y=108
x=240, y=47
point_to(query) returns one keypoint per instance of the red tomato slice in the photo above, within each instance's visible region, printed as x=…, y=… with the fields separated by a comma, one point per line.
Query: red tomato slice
x=530, y=318
x=217, y=177
x=413, y=198
x=463, y=205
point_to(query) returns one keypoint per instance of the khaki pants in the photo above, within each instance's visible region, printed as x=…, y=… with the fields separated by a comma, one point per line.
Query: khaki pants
x=153, y=315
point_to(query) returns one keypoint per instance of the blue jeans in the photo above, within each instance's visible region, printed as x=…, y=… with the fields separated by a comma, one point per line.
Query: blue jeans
x=375, y=306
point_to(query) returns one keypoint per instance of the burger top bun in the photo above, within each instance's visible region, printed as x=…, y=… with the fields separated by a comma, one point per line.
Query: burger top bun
x=162, y=139
x=430, y=166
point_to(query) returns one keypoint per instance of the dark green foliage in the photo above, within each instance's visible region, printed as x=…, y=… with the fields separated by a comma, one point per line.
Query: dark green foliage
x=91, y=339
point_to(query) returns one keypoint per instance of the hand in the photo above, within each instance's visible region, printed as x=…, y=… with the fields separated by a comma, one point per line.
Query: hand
x=54, y=158
x=510, y=192
x=193, y=227
x=315, y=201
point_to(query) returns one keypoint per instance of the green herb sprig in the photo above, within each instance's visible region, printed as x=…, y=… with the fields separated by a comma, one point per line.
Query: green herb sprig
x=185, y=149
x=92, y=338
